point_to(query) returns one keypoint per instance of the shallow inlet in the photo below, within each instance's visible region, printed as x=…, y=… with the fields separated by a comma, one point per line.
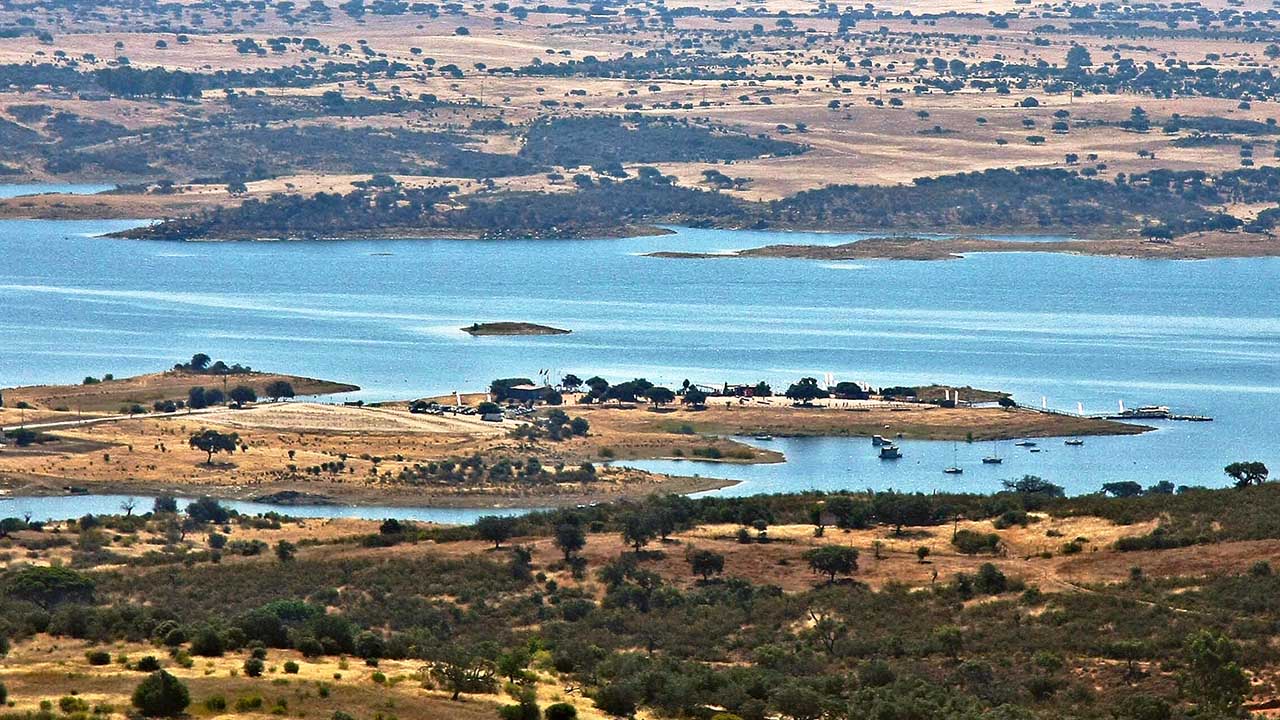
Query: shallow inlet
x=66, y=507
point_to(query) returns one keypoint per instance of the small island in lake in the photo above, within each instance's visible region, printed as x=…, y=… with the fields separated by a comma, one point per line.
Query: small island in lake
x=512, y=328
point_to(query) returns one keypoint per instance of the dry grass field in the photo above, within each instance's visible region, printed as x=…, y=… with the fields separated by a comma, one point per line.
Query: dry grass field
x=365, y=454
x=1054, y=568
x=362, y=451
x=109, y=396
x=855, y=418
x=50, y=668
x=47, y=668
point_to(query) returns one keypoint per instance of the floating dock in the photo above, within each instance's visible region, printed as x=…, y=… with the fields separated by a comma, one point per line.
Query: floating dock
x=1153, y=412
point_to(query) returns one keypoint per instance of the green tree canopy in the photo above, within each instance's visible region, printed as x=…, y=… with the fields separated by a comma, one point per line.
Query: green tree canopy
x=1213, y=678
x=277, y=389
x=805, y=391
x=1247, y=473
x=495, y=528
x=832, y=560
x=161, y=695
x=660, y=395
x=570, y=538
x=49, y=586
x=242, y=394
x=695, y=397
x=705, y=563
x=212, y=441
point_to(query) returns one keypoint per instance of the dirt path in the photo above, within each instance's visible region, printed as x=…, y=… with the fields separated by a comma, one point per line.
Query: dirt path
x=316, y=417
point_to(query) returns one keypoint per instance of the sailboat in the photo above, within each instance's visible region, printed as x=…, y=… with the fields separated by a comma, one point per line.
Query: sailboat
x=994, y=458
x=954, y=469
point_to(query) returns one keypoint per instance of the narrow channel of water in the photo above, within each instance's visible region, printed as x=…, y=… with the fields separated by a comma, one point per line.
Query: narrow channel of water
x=65, y=507
x=13, y=191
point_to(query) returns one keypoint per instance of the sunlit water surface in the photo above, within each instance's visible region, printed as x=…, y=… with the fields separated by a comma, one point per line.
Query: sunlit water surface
x=1202, y=337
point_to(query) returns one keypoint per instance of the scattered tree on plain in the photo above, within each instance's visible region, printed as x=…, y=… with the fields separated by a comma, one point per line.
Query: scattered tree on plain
x=212, y=441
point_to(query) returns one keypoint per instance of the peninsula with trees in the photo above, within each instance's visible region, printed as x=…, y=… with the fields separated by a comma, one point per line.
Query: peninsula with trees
x=182, y=431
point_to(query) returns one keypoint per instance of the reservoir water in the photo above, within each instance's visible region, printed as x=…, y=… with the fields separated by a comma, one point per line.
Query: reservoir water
x=64, y=507
x=1202, y=337
x=12, y=191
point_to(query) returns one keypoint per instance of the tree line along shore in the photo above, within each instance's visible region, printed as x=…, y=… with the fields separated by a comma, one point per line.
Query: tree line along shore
x=1154, y=212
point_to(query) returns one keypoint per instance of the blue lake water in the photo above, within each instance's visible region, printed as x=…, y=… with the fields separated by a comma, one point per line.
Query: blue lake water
x=1202, y=337
x=11, y=191
x=75, y=506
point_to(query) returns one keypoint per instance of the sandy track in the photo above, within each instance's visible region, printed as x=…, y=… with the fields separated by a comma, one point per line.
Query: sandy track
x=316, y=417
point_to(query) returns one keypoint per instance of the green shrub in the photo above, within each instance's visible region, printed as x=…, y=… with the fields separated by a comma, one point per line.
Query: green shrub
x=147, y=663
x=253, y=667
x=972, y=543
x=990, y=581
x=560, y=711
x=1009, y=518
x=161, y=695
x=98, y=657
x=1143, y=707
x=208, y=642
x=1158, y=539
x=310, y=647
x=175, y=637
x=215, y=703
x=291, y=667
